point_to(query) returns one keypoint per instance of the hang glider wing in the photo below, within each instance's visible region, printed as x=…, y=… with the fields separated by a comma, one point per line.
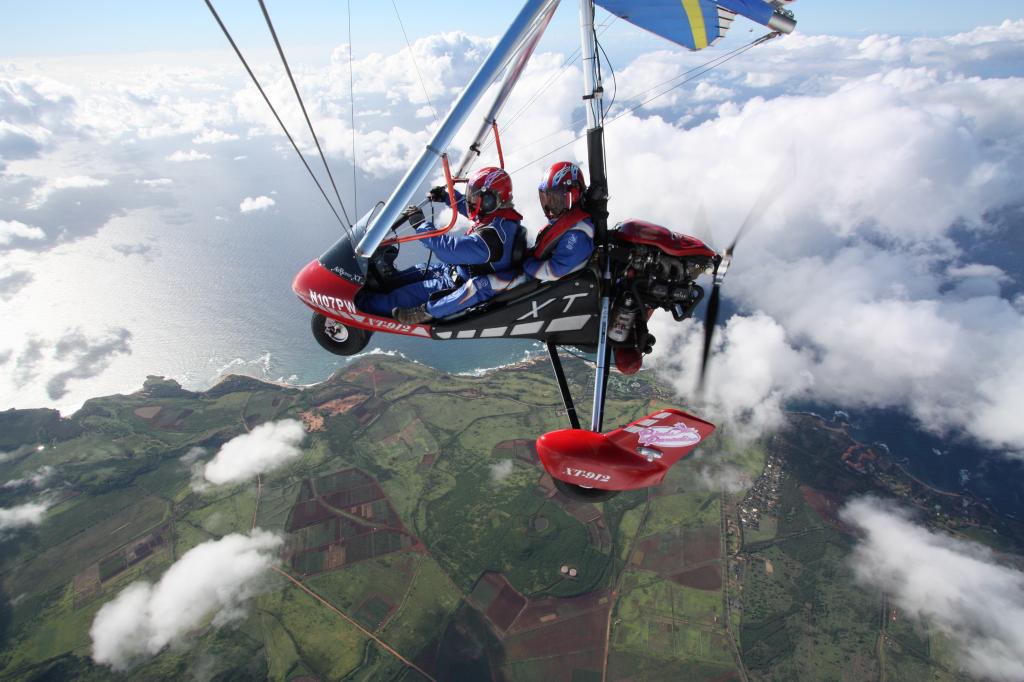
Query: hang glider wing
x=696, y=24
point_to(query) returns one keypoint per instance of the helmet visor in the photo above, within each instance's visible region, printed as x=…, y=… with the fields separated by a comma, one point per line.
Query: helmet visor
x=554, y=202
x=472, y=201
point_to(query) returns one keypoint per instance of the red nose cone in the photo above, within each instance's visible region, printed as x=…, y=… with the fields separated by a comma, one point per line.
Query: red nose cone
x=305, y=279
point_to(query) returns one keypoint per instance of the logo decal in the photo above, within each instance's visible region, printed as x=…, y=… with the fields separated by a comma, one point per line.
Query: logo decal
x=678, y=436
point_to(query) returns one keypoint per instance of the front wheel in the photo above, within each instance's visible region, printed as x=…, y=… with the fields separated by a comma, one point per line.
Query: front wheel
x=578, y=493
x=335, y=337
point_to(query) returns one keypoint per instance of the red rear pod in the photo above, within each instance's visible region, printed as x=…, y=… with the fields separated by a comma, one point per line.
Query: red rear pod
x=636, y=456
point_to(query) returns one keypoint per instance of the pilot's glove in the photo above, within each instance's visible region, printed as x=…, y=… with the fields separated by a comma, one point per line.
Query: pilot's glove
x=414, y=214
x=438, y=194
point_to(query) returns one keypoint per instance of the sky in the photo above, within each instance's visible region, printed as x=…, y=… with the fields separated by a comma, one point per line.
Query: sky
x=152, y=217
x=67, y=27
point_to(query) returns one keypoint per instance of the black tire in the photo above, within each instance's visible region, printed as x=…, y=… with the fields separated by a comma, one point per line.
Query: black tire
x=580, y=494
x=343, y=340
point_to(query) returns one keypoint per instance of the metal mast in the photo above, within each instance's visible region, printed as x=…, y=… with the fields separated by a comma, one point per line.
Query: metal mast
x=533, y=17
x=597, y=197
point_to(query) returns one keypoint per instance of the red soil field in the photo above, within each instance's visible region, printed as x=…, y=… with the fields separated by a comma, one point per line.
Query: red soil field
x=673, y=552
x=505, y=607
x=538, y=612
x=579, y=633
x=561, y=668
x=703, y=578
x=826, y=506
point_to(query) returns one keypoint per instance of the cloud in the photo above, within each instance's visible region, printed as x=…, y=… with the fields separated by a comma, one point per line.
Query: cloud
x=13, y=229
x=501, y=470
x=36, y=479
x=959, y=587
x=156, y=182
x=213, y=136
x=860, y=284
x=13, y=282
x=724, y=478
x=858, y=275
x=88, y=358
x=267, y=447
x=42, y=193
x=260, y=203
x=22, y=516
x=191, y=155
x=214, y=579
x=17, y=142
x=754, y=371
x=132, y=249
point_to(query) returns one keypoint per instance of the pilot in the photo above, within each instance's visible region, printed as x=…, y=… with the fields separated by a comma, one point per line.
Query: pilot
x=566, y=243
x=473, y=267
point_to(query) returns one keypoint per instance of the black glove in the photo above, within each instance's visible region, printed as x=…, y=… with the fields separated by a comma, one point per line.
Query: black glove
x=414, y=214
x=438, y=194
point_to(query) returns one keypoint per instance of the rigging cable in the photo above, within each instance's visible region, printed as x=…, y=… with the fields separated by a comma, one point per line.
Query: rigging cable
x=697, y=72
x=266, y=99
x=352, y=113
x=414, y=64
x=611, y=69
x=295, y=87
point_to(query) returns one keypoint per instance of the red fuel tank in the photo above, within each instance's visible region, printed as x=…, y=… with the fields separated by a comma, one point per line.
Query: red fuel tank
x=672, y=243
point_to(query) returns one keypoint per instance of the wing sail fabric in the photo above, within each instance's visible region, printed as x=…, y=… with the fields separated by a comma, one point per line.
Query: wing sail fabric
x=694, y=24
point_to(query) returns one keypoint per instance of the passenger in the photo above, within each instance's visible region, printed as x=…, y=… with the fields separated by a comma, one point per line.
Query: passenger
x=473, y=267
x=566, y=243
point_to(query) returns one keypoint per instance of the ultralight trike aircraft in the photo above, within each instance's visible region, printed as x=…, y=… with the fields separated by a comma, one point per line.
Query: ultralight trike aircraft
x=637, y=267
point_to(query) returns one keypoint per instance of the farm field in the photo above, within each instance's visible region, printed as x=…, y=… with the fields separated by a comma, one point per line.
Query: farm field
x=421, y=542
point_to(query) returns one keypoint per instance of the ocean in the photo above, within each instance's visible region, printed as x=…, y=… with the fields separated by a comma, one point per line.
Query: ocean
x=950, y=462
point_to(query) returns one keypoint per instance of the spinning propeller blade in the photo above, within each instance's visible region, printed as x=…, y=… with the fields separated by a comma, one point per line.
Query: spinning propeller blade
x=764, y=201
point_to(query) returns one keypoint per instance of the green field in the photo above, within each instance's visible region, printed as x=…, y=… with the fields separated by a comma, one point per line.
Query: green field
x=796, y=611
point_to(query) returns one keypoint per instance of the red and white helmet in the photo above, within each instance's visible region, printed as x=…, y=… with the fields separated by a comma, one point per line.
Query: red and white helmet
x=488, y=190
x=561, y=188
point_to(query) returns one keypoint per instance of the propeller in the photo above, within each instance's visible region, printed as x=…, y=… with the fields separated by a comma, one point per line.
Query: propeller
x=768, y=195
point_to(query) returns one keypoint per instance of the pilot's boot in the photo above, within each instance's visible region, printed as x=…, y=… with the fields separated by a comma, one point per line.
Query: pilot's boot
x=415, y=315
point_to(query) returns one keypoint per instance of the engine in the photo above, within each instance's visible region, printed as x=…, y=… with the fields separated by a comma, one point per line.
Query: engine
x=658, y=267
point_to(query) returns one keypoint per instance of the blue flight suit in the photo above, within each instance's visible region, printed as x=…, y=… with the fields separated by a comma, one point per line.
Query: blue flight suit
x=473, y=267
x=571, y=253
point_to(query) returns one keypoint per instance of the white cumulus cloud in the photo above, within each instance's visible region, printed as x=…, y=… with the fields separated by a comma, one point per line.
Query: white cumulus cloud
x=42, y=193
x=213, y=136
x=156, y=182
x=22, y=516
x=37, y=479
x=13, y=229
x=959, y=587
x=190, y=155
x=501, y=470
x=267, y=447
x=260, y=203
x=214, y=580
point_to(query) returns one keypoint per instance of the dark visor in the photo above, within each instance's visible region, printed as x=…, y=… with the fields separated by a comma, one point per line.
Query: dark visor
x=554, y=202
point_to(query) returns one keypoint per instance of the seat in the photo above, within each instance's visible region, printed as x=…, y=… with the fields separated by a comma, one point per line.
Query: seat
x=515, y=292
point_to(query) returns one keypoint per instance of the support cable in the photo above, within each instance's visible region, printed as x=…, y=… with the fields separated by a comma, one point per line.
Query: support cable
x=352, y=113
x=266, y=99
x=309, y=123
x=414, y=64
x=547, y=84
